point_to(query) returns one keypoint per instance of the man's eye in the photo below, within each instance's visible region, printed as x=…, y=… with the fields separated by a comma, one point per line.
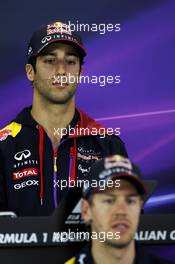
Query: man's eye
x=71, y=62
x=108, y=201
x=131, y=200
x=50, y=61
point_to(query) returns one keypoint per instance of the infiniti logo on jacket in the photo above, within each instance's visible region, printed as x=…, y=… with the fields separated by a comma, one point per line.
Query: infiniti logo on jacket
x=22, y=154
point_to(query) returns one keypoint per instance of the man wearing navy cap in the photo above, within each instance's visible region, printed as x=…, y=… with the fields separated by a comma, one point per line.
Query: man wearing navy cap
x=52, y=143
x=114, y=211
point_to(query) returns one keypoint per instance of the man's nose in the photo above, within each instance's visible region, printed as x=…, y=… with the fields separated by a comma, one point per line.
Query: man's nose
x=120, y=207
x=60, y=68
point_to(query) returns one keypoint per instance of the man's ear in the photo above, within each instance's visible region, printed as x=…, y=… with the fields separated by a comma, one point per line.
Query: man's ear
x=86, y=211
x=30, y=72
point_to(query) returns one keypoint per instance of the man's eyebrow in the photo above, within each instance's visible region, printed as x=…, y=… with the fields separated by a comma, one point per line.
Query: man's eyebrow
x=72, y=54
x=52, y=53
x=127, y=195
x=109, y=194
x=48, y=54
x=132, y=194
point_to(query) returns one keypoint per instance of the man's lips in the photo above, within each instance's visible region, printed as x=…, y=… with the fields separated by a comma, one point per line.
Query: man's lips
x=121, y=226
x=59, y=84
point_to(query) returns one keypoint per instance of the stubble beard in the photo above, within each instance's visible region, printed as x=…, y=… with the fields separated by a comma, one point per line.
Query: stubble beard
x=118, y=244
x=49, y=96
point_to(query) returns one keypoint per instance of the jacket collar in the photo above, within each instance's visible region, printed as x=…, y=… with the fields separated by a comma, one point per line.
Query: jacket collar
x=79, y=121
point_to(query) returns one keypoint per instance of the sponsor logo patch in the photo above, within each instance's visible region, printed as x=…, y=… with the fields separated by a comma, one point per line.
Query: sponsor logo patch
x=4, y=134
x=26, y=184
x=87, y=157
x=24, y=154
x=117, y=161
x=28, y=172
x=83, y=170
x=58, y=27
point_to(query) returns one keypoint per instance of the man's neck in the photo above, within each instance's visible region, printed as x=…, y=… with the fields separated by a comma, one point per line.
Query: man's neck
x=53, y=118
x=104, y=253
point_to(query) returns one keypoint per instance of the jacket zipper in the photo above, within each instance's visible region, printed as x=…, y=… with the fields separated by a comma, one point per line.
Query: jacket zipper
x=55, y=161
x=55, y=169
x=55, y=173
x=70, y=166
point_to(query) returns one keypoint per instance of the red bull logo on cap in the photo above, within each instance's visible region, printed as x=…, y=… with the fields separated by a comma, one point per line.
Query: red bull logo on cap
x=4, y=134
x=117, y=161
x=58, y=27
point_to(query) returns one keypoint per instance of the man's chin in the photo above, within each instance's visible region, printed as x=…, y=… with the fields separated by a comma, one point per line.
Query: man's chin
x=61, y=99
x=119, y=243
